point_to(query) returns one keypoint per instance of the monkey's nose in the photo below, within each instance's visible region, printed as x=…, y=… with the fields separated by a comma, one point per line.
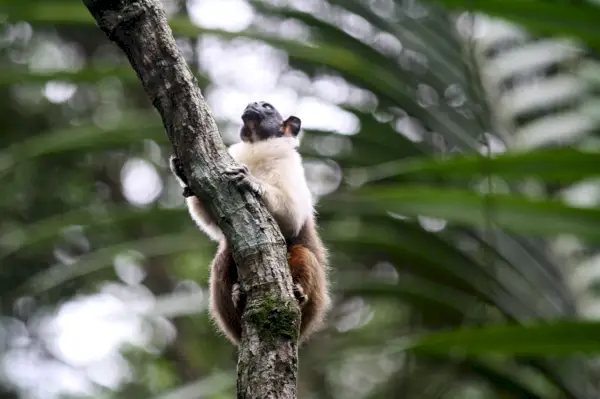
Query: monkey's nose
x=252, y=111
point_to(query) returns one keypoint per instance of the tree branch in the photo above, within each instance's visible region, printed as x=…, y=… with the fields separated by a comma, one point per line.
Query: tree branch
x=267, y=359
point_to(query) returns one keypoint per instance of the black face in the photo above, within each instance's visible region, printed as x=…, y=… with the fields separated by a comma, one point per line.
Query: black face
x=262, y=121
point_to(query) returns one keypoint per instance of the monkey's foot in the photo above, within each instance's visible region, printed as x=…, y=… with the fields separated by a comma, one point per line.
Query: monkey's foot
x=236, y=294
x=241, y=176
x=299, y=294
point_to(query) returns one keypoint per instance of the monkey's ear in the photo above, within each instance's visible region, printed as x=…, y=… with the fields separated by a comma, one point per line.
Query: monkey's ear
x=291, y=126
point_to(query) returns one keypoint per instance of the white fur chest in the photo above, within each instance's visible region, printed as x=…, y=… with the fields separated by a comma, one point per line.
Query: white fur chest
x=277, y=164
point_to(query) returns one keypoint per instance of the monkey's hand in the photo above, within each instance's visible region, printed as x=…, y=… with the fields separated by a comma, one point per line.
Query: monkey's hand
x=241, y=176
x=177, y=169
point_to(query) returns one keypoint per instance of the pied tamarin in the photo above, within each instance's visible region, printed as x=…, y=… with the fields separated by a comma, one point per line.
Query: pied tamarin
x=271, y=167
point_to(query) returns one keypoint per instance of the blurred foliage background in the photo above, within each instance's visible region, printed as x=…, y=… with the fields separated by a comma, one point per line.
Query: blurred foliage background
x=452, y=148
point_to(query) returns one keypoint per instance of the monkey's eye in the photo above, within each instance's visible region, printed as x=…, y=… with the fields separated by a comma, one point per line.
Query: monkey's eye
x=267, y=106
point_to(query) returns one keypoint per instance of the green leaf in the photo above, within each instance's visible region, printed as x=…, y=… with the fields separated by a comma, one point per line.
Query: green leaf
x=555, y=165
x=133, y=128
x=538, y=217
x=112, y=215
x=556, y=338
x=433, y=259
x=577, y=19
x=151, y=247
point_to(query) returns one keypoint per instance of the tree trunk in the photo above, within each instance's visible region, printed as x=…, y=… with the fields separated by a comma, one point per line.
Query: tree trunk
x=267, y=358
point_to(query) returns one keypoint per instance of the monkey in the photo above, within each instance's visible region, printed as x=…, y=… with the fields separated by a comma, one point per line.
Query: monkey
x=271, y=166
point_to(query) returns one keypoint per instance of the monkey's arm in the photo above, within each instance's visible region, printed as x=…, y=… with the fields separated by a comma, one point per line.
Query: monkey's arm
x=196, y=208
x=289, y=211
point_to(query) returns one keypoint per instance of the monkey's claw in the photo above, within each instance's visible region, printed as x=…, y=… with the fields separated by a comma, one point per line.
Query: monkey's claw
x=236, y=294
x=300, y=295
x=237, y=173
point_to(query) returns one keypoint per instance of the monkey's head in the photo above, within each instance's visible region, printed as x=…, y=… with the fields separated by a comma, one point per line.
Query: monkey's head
x=262, y=121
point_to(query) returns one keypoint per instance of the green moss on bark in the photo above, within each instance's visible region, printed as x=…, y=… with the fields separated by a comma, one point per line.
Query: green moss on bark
x=275, y=318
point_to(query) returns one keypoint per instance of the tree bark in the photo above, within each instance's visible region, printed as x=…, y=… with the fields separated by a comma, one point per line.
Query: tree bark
x=267, y=358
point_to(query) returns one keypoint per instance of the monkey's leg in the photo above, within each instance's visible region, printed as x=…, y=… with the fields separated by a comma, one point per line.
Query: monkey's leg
x=302, y=262
x=310, y=287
